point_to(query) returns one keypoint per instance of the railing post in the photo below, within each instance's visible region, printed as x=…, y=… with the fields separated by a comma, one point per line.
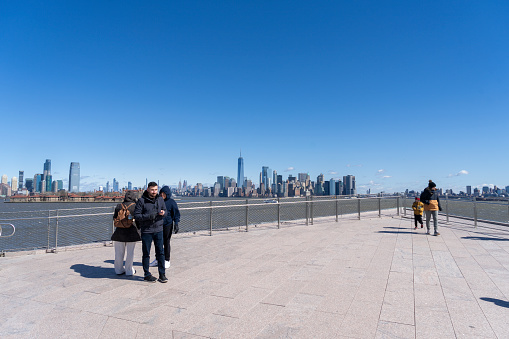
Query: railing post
x=336, y=208
x=307, y=212
x=210, y=217
x=48, y=249
x=475, y=212
x=278, y=214
x=247, y=215
x=379, y=207
x=404, y=205
x=447, y=207
x=56, y=234
x=397, y=206
x=359, y=207
x=311, y=209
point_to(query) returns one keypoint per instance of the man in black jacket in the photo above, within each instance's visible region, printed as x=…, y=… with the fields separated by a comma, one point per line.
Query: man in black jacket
x=170, y=225
x=149, y=212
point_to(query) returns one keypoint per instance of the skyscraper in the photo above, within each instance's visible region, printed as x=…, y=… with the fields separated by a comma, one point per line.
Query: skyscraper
x=47, y=169
x=115, y=185
x=129, y=185
x=49, y=181
x=14, y=184
x=240, y=171
x=4, y=179
x=349, y=185
x=74, y=177
x=38, y=183
x=332, y=187
x=20, y=182
x=469, y=190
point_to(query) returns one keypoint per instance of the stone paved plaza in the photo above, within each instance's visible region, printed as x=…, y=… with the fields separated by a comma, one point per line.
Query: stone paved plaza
x=373, y=278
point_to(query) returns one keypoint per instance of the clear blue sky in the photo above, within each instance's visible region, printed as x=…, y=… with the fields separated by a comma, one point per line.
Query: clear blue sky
x=393, y=92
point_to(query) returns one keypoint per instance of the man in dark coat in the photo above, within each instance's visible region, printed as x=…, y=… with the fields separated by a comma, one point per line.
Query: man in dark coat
x=149, y=213
x=125, y=238
x=170, y=224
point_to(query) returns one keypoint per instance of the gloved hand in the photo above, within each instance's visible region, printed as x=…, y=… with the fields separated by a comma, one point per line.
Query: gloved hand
x=440, y=208
x=176, y=228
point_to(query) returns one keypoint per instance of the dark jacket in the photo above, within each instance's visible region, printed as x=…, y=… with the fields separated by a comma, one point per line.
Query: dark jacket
x=430, y=200
x=173, y=214
x=130, y=234
x=147, y=215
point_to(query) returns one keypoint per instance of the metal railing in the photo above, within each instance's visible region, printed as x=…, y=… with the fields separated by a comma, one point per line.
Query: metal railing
x=494, y=212
x=50, y=229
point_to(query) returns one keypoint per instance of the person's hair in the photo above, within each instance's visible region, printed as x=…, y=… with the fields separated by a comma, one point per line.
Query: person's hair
x=152, y=184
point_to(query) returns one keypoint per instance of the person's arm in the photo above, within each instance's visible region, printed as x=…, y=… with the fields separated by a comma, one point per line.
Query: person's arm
x=439, y=206
x=176, y=213
x=138, y=212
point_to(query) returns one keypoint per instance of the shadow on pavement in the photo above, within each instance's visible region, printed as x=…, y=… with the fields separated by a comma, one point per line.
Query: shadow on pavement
x=486, y=238
x=395, y=232
x=497, y=302
x=88, y=271
x=136, y=263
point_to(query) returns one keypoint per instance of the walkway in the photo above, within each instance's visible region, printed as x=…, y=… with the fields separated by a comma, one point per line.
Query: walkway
x=374, y=278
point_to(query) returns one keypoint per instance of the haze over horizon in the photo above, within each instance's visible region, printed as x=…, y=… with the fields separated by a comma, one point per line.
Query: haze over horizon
x=393, y=93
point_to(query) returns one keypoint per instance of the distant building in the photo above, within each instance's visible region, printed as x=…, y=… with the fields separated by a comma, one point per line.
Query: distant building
x=29, y=184
x=4, y=179
x=265, y=176
x=129, y=185
x=47, y=169
x=240, y=171
x=14, y=184
x=60, y=184
x=469, y=190
x=115, y=185
x=48, y=181
x=38, y=183
x=332, y=186
x=74, y=177
x=349, y=185
x=21, y=180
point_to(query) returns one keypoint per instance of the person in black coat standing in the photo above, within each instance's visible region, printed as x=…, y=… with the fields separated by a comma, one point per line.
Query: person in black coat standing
x=149, y=213
x=170, y=224
x=124, y=239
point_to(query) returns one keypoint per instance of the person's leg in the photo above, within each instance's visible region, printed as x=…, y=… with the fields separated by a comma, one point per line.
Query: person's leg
x=166, y=241
x=435, y=221
x=159, y=248
x=119, y=257
x=415, y=220
x=428, y=216
x=146, y=243
x=129, y=258
x=419, y=219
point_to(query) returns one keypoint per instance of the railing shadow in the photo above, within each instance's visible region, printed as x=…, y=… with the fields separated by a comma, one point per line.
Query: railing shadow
x=498, y=302
x=485, y=238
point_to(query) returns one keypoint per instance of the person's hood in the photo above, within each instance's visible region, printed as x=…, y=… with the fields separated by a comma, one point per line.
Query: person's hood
x=130, y=196
x=166, y=190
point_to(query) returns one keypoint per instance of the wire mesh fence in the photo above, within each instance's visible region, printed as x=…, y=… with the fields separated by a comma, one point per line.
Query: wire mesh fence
x=50, y=229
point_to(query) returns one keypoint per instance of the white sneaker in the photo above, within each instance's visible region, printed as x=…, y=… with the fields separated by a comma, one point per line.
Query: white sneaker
x=166, y=264
x=153, y=263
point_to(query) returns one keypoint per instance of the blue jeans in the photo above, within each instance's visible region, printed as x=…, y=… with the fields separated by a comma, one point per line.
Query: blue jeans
x=146, y=243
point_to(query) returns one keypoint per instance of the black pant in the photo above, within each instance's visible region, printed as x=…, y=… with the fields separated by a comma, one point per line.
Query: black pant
x=167, y=231
x=417, y=218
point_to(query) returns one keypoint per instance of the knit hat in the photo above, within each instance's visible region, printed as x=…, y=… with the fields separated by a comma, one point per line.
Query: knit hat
x=432, y=184
x=417, y=198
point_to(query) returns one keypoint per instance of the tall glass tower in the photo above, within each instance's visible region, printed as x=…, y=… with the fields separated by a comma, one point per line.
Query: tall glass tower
x=240, y=171
x=74, y=177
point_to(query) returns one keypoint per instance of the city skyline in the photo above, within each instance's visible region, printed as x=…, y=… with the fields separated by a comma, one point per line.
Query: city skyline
x=395, y=93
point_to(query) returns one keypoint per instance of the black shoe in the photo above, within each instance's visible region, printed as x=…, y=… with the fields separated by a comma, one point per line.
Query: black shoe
x=162, y=279
x=150, y=278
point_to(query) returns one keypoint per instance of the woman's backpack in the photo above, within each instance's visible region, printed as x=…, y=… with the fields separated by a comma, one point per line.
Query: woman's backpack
x=124, y=218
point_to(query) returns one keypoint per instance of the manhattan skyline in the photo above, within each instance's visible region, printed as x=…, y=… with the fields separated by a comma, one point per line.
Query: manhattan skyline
x=394, y=93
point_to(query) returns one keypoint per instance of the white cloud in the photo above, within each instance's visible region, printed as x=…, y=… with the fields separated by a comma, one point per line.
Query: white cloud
x=289, y=169
x=381, y=170
x=387, y=176
x=462, y=172
x=349, y=165
x=332, y=172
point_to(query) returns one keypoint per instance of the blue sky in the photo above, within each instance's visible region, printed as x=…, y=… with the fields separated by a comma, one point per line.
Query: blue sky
x=393, y=92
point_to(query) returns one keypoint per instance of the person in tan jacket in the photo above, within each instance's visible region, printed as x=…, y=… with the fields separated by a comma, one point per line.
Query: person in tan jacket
x=431, y=205
x=418, y=208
